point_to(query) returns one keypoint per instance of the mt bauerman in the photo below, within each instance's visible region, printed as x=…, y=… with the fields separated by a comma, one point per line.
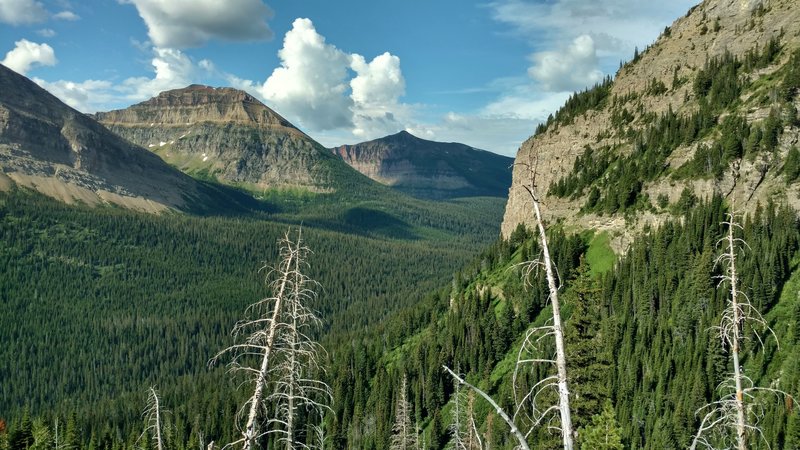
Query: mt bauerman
x=430, y=169
x=228, y=135
x=709, y=108
x=47, y=146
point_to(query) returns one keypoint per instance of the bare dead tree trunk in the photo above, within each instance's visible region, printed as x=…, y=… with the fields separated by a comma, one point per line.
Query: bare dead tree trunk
x=402, y=436
x=152, y=414
x=741, y=426
x=523, y=444
x=280, y=332
x=730, y=412
x=556, y=329
x=561, y=360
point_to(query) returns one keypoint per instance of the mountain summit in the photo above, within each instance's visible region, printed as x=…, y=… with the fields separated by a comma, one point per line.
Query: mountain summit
x=228, y=135
x=430, y=169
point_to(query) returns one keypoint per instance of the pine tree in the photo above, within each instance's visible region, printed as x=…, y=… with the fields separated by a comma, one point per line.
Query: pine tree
x=604, y=433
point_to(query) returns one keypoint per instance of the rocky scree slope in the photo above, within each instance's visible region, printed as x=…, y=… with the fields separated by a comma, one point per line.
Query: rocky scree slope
x=710, y=107
x=228, y=135
x=47, y=146
x=430, y=169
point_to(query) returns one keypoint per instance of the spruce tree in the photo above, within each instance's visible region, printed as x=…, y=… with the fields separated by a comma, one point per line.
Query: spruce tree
x=604, y=433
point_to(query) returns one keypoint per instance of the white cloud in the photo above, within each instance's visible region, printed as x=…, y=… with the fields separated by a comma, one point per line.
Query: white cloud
x=27, y=54
x=82, y=96
x=172, y=69
x=66, y=15
x=376, y=91
x=569, y=69
x=311, y=84
x=46, y=32
x=191, y=23
x=18, y=12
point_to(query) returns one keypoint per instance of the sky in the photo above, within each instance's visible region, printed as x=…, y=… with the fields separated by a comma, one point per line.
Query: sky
x=482, y=73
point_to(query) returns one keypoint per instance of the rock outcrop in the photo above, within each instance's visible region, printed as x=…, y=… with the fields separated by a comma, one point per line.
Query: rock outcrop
x=47, y=146
x=430, y=169
x=228, y=135
x=660, y=81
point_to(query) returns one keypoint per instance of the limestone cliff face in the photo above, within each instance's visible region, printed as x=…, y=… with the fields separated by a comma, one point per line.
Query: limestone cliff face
x=47, y=146
x=659, y=81
x=429, y=169
x=226, y=134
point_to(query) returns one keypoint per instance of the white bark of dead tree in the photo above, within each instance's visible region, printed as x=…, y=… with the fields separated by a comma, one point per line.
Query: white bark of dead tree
x=738, y=392
x=523, y=444
x=555, y=329
x=152, y=414
x=280, y=332
x=403, y=437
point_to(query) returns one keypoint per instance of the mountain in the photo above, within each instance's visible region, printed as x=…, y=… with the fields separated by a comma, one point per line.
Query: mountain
x=228, y=135
x=709, y=108
x=430, y=169
x=47, y=146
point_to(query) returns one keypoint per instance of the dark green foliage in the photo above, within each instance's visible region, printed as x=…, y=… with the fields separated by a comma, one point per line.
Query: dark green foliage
x=791, y=81
x=98, y=304
x=604, y=433
x=588, y=359
x=577, y=104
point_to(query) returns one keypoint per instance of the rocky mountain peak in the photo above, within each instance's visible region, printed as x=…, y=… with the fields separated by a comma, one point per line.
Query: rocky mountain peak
x=198, y=103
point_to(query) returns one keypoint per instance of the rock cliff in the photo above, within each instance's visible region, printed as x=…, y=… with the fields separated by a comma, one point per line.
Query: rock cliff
x=47, y=146
x=663, y=115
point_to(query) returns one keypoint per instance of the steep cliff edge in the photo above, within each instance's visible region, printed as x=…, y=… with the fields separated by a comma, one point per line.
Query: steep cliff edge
x=709, y=108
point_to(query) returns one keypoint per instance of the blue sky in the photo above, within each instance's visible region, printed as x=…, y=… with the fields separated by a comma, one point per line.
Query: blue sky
x=482, y=73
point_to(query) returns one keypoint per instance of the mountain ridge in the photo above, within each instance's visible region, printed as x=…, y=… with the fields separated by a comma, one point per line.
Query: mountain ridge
x=47, y=146
x=429, y=169
x=228, y=135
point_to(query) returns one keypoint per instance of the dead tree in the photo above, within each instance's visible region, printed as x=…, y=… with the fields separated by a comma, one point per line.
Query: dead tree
x=278, y=338
x=294, y=386
x=527, y=355
x=725, y=422
x=528, y=402
x=152, y=415
x=404, y=435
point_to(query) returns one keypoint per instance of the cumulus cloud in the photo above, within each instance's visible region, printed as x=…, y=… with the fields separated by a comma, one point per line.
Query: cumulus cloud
x=570, y=69
x=172, y=69
x=46, y=32
x=376, y=91
x=311, y=83
x=27, y=54
x=331, y=92
x=18, y=12
x=191, y=23
x=66, y=15
x=83, y=96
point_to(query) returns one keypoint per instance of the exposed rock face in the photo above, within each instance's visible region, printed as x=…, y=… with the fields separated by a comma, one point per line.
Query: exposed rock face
x=226, y=134
x=707, y=31
x=430, y=169
x=48, y=146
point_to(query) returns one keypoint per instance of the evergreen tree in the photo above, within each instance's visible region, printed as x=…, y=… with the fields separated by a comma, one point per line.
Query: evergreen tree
x=587, y=358
x=604, y=433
